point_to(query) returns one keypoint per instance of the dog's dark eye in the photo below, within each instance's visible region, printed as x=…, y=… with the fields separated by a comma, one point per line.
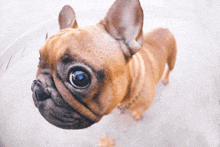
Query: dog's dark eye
x=79, y=79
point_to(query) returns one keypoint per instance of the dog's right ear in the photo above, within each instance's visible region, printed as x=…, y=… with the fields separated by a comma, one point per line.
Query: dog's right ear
x=67, y=18
x=124, y=22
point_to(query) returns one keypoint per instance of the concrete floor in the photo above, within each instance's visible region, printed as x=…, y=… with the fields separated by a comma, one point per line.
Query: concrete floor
x=184, y=113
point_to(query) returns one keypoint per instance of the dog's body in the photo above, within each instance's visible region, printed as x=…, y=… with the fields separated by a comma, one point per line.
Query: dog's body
x=159, y=48
x=84, y=73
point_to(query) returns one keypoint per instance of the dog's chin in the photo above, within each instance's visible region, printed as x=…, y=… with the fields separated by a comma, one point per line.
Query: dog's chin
x=62, y=117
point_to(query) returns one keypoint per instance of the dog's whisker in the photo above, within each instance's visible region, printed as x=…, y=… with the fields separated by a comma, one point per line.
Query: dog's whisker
x=46, y=36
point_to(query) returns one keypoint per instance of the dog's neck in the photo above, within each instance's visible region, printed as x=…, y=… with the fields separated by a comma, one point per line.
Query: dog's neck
x=137, y=72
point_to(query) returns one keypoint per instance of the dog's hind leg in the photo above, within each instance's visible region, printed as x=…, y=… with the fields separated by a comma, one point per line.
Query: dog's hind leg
x=170, y=62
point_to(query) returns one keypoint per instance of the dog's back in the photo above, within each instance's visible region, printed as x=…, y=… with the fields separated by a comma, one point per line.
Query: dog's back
x=159, y=46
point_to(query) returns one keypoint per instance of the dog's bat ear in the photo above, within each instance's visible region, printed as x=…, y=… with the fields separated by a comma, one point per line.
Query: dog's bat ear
x=124, y=21
x=67, y=18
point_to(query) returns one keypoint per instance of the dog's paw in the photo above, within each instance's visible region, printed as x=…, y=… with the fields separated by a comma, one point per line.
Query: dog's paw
x=137, y=116
x=165, y=80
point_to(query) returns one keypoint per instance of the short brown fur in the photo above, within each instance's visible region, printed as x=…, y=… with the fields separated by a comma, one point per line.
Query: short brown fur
x=131, y=63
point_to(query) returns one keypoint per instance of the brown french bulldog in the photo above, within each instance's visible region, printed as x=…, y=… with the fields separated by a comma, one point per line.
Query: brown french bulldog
x=84, y=73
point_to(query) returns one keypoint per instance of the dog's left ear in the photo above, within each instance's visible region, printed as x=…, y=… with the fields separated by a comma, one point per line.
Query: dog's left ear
x=124, y=21
x=67, y=18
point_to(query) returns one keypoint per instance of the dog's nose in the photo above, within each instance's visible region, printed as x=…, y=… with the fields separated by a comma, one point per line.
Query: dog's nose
x=33, y=85
x=40, y=94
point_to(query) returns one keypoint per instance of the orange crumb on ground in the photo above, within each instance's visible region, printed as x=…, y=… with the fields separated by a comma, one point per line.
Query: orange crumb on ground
x=105, y=142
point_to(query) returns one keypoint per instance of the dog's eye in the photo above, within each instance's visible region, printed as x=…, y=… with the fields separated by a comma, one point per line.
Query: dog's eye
x=79, y=79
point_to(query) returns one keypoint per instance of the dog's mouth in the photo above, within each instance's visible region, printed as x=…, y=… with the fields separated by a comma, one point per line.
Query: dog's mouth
x=63, y=117
x=54, y=109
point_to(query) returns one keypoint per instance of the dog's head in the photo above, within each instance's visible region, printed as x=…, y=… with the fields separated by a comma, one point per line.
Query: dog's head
x=82, y=73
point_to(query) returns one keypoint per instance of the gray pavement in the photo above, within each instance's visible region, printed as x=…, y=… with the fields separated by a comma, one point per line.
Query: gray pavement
x=185, y=113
